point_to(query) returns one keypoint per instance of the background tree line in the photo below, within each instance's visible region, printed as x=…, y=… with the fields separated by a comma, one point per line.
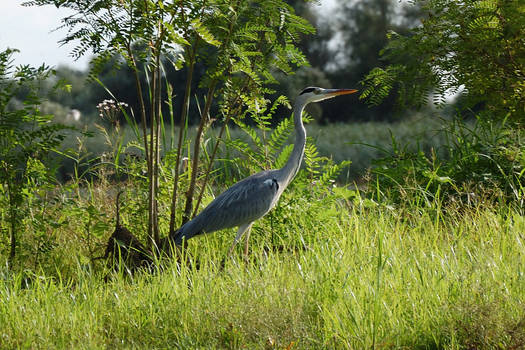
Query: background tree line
x=346, y=46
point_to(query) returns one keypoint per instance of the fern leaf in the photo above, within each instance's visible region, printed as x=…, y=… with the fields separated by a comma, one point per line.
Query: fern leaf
x=280, y=135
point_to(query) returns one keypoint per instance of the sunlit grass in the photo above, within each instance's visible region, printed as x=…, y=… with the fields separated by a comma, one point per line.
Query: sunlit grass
x=353, y=277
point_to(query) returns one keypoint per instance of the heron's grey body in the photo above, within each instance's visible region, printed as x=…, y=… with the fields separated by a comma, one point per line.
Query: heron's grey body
x=229, y=209
x=254, y=196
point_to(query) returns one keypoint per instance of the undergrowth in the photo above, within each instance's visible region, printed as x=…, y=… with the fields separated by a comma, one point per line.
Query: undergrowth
x=346, y=275
x=478, y=162
x=412, y=260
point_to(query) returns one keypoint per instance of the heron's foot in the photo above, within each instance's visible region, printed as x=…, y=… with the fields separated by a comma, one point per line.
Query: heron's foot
x=227, y=257
x=222, y=264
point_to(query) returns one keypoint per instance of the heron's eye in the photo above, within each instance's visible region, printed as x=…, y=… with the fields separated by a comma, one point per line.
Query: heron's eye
x=307, y=90
x=317, y=91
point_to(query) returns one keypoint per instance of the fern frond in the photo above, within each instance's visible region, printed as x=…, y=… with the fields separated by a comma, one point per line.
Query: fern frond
x=280, y=135
x=332, y=171
x=283, y=156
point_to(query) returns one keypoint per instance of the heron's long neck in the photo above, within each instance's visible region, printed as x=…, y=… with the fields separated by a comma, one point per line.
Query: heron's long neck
x=294, y=162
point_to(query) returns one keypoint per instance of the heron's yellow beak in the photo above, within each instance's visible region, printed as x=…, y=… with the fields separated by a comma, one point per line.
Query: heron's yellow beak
x=339, y=92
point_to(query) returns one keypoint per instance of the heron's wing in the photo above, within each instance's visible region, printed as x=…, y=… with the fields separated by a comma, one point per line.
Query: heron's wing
x=244, y=202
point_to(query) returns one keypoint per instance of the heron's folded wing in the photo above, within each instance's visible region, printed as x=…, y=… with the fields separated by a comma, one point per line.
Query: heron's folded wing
x=244, y=202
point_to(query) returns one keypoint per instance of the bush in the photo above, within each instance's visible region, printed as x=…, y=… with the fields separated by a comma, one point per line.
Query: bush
x=26, y=140
x=484, y=160
x=471, y=46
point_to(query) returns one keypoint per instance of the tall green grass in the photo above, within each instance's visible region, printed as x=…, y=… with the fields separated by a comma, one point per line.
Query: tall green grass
x=351, y=277
x=327, y=269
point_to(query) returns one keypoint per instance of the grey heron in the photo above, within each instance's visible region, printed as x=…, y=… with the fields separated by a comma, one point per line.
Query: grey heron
x=253, y=197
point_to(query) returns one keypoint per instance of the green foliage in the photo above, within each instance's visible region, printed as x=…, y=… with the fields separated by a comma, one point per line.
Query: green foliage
x=478, y=45
x=253, y=38
x=26, y=139
x=266, y=153
x=483, y=161
x=360, y=25
x=370, y=276
x=240, y=45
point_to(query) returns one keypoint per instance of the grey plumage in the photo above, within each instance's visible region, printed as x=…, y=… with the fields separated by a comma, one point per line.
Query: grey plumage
x=230, y=208
x=253, y=197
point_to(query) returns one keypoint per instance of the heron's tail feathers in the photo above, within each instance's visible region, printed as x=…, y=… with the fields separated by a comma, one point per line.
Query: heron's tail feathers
x=186, y=231
x=177, y=236
x=183, y=233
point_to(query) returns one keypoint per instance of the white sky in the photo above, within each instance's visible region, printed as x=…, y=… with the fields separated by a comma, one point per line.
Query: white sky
x=30, y=30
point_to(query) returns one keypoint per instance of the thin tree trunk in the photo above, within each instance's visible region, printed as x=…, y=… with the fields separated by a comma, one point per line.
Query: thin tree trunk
x=196, y=151
x=152, y=160
x=147, y=153
x=183, y=119
x=156, y=233
x=12, y=219
x=138, y=87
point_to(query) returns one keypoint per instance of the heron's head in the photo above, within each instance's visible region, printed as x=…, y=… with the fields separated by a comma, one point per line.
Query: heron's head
x=316, y=94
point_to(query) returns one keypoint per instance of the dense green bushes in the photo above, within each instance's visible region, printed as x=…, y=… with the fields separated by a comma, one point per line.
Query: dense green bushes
x=479, y=161
x=26, y=140
x=473, y=47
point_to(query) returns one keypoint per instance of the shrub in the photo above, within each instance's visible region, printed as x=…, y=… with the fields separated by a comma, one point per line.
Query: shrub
x=472, y=46
x=26, y=139
x=479, y=161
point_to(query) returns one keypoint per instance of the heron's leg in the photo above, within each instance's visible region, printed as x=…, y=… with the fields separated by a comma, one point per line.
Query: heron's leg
x=240, y=232
x=248, y=230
